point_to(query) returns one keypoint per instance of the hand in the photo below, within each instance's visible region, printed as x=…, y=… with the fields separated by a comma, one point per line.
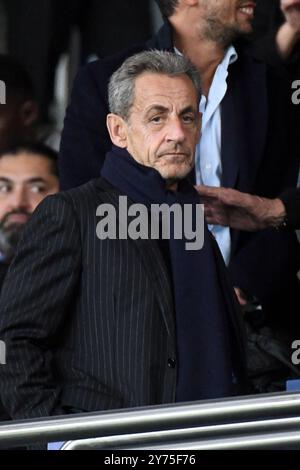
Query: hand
x=291, y=11
x=242, y=298
x=228, y=207
x=288, y=34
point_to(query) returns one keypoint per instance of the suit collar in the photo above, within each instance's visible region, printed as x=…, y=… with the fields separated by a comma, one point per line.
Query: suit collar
x=163, y=40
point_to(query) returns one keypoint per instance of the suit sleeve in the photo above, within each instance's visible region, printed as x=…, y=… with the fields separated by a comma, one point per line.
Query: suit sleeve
x=85, y=139
x=291, y=200
x=37, y=291
x=266, y=264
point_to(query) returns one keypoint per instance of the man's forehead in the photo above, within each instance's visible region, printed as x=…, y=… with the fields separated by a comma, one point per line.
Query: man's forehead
x=16, y=179
x=23, y=165
x=158, y=79
x=220, y=2
x=157, y=88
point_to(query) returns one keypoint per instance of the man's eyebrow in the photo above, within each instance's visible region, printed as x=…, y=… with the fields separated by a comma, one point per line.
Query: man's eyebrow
x=188, y=109
x=162, y=109
x=157, y=108
x=37, y=179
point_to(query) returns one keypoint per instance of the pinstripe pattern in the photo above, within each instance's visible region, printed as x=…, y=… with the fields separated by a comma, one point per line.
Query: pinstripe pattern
x=104, y=308
x=88, y=324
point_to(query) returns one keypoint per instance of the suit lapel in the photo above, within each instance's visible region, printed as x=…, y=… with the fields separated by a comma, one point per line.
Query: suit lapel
x=155, y=265
x=163, y=39
x=231, y=138
x=244, y=122
x=152, y=260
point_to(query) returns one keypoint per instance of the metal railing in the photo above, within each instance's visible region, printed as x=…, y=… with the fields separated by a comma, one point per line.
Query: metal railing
x=260, y=421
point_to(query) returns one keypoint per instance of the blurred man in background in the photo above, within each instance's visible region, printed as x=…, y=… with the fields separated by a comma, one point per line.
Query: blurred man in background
x=18, y=116
x=28, y=173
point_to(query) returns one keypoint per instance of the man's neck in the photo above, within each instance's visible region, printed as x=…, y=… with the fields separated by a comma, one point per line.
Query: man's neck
x=205, y=54
x=172, y=185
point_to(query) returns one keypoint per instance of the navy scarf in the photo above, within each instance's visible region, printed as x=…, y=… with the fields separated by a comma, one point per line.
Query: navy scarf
x=202, y=319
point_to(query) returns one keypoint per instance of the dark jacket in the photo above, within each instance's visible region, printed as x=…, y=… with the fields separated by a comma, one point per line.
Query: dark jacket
x=92, y=326
x=291, y=200
x=3, y=271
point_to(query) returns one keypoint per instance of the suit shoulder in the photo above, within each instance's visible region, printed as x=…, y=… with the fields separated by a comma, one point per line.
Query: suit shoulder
x=87, y=195
x=76, y=203
x=104, y=67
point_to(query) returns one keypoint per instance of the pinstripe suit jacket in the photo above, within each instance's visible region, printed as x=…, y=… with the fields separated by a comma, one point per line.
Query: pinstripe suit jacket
x=88, y=324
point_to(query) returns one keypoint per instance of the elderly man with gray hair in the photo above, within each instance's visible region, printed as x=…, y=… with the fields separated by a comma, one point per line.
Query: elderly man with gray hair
x=108, y=314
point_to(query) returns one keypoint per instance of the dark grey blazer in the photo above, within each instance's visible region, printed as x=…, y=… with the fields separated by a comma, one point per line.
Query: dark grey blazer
x=88, y=324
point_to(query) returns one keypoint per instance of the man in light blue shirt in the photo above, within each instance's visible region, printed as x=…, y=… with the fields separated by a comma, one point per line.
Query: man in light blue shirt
x=208, y=153
x=208, y=165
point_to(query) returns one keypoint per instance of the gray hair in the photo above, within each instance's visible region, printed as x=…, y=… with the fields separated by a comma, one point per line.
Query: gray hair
x=122, y=82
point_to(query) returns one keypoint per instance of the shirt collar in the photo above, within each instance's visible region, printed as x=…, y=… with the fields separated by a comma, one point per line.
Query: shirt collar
x=229, y=58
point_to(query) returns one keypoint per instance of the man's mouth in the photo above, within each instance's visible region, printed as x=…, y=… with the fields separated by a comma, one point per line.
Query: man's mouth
x=174, y=154
x=16, y=218
x=247, y=10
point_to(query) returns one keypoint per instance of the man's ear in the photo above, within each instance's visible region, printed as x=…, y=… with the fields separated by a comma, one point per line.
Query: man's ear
x=29, y=112
x=117, y=130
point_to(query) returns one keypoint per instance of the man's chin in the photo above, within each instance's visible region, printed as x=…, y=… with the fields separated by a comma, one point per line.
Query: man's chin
x=246, y=27
x=9, y=238
x=175, y=177
x=247, y=30
x=174, y=172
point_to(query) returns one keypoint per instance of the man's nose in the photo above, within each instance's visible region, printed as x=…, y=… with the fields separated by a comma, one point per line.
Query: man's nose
x=19, y=199
x=176, y=131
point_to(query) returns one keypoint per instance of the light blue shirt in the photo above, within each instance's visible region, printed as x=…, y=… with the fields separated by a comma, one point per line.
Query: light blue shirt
x=208, y=153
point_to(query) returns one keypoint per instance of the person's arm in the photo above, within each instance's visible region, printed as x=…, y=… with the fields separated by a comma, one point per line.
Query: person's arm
x=276, y=35
x=288, y=34
x=242, y=211
x=35, y=300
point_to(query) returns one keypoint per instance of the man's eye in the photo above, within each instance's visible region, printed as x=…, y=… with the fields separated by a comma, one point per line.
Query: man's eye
x=4, y=188
x=156, y=119
x=37, y=189
x=188, y=118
